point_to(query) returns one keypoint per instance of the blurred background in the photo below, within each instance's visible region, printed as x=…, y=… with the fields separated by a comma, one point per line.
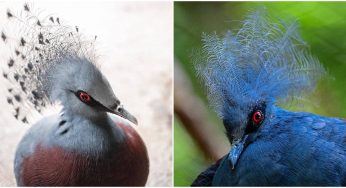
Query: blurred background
x=135, y=46
x=199, y=137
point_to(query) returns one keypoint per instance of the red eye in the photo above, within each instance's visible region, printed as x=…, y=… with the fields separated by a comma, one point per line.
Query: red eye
x=257, y=117
x=84, y=97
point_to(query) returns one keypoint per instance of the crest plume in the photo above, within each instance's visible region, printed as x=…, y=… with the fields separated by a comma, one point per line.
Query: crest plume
x=264, y=60
x=36, y=46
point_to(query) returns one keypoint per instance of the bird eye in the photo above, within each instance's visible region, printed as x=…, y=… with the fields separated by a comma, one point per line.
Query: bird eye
x=257, y=117
x=84, y=97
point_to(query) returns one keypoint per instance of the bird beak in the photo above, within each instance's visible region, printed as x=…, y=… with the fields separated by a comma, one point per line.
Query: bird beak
x=237, y=149
x=125, y=114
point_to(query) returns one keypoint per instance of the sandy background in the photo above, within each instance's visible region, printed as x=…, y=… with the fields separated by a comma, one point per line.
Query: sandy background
x=135, y=48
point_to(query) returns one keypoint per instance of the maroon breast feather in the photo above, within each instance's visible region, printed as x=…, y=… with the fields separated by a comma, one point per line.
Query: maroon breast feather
x=129, y=166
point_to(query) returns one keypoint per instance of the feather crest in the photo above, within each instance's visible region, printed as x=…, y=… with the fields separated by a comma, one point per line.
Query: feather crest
x=263, y=60
x=37, y=45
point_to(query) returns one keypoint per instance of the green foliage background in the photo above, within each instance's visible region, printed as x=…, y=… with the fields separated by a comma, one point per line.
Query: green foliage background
x=322, y=25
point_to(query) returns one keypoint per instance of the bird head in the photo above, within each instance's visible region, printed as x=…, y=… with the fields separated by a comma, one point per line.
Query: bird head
x=243, y=123
x=246, y=72
x=53, y=62
x=83, y=90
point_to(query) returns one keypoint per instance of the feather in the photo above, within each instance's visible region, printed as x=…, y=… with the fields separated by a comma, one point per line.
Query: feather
x=263, y=60
x=40, y=45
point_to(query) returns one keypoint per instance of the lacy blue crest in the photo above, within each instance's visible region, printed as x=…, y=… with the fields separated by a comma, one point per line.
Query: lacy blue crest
x=263, y=60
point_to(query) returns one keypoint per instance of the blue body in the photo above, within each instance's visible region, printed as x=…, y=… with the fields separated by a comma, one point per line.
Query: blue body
x=246, y=73
x=296, y=149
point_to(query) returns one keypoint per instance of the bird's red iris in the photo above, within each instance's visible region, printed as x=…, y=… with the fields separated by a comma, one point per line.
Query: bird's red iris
x=84, y=97
x=257, y=117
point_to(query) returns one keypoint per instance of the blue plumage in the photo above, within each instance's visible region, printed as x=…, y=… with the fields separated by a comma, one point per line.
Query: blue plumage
x=262, y=61
x=295, y=149
x=246, y=73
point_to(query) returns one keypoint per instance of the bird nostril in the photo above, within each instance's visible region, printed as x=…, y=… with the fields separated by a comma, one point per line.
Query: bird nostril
x=114, y=107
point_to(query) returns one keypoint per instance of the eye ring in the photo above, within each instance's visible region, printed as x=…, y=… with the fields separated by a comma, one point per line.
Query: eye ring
x=84, y=97
x=257, y=117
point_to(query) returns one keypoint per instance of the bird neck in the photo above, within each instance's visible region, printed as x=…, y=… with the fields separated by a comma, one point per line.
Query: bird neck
x=279, y=111
x=96, y=116
x=94, y=137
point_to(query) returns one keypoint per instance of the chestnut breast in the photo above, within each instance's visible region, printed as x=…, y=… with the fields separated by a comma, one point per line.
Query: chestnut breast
x=124, y=163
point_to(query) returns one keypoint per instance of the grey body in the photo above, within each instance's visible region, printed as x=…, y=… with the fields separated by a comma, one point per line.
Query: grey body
x=55, y=64
x=90, y=138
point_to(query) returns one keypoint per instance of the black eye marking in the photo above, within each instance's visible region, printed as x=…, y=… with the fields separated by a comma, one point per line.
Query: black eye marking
x=256, y=118
x=229, y=129
x=84, y=97
x=90, y=101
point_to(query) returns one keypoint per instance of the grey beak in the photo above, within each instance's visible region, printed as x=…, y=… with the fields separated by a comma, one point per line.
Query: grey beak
x=236, y=150
x=125, y=114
